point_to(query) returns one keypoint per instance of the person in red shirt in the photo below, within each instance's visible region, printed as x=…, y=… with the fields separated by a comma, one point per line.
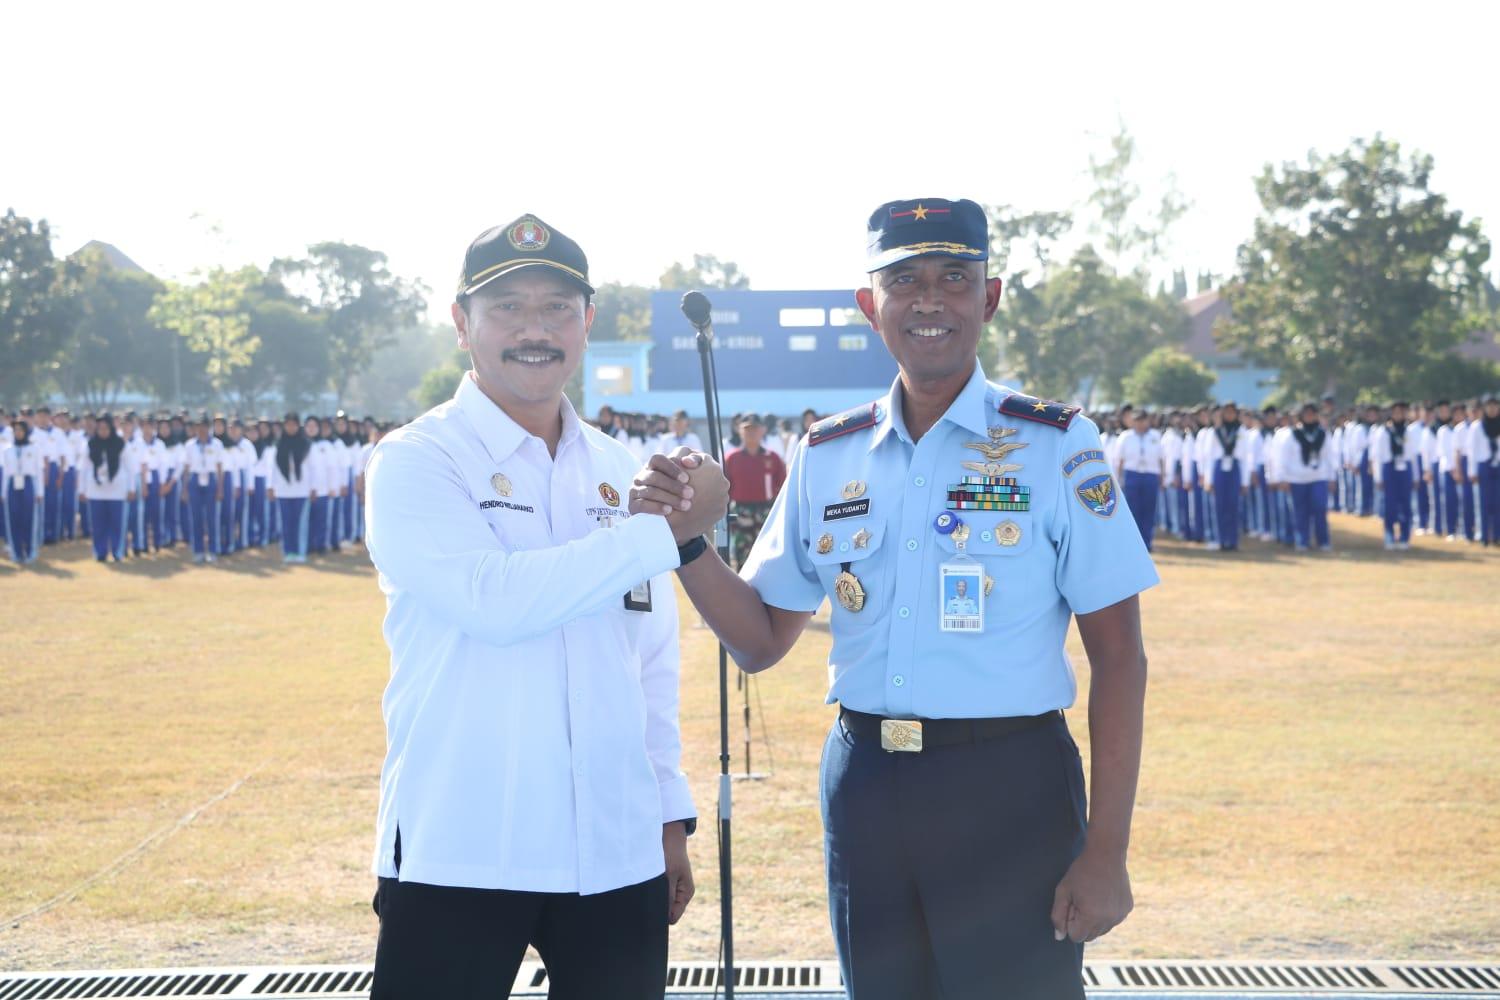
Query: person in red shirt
x=755, y=476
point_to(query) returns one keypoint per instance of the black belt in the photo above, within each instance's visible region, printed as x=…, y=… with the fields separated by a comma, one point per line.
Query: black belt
x=946, y=732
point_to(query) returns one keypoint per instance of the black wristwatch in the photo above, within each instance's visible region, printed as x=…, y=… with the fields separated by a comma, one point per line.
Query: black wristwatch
x=690, y=550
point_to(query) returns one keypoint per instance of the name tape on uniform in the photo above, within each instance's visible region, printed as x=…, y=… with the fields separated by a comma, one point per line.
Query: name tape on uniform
x=849, y=508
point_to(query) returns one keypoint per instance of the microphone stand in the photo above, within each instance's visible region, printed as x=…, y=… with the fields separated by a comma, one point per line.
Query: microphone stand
x=726, y=897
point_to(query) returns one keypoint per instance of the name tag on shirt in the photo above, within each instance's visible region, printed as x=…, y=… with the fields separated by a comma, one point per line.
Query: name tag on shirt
x=1400, y=465
x=1226, y=464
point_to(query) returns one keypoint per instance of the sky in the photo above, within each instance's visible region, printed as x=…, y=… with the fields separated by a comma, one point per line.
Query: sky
x=194, y=135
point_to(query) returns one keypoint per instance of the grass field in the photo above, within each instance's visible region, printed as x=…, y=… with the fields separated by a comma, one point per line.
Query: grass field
x=189, y=760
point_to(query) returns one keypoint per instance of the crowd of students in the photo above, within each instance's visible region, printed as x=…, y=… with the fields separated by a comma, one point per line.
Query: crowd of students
x=1213, y=474
x=139, y=484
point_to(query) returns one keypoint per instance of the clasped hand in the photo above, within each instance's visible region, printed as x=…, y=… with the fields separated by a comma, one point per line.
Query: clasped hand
x=688, y=487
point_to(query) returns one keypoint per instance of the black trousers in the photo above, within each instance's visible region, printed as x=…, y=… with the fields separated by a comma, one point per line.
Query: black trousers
x=454, y=943
x=942, y=865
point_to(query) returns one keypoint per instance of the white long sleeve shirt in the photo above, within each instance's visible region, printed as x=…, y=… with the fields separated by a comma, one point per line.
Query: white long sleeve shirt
x=297, y=482
x=1140, y=452
x=29, y=462
x=201, y=460
x=1293, y=469
x=1481, y=451
x=531, y=718
x=1383, y=450
x=1214, y=456
x=95, y=482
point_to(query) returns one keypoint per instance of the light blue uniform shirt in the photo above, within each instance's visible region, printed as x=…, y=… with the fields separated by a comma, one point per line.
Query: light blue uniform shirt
x=1078, y=552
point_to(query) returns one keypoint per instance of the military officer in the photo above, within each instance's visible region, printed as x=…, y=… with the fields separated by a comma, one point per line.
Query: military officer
x=959, y=859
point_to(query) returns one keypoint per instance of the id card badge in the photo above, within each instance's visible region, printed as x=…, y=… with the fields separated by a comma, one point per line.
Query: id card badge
x=639, y=598
x=961, y=595
x=1226, y=464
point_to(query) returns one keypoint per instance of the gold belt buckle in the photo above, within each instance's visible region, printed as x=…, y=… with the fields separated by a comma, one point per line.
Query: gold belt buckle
x=900, y=736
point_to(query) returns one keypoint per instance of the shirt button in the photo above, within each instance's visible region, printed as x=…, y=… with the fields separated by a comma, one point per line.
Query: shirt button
x=898, y=680
x=843, y=546
x=920, y=481
x=985, y=536
x=911, y=545
x=904, y=612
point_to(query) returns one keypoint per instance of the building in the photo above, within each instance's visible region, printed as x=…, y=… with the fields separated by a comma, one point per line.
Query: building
x=775, y=352
x=1238, y=379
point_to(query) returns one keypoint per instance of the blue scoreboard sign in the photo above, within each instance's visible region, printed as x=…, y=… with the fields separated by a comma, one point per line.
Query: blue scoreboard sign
x=801, y=340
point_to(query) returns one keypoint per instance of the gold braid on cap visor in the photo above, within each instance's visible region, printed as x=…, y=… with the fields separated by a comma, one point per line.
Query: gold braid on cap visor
x=495, y=270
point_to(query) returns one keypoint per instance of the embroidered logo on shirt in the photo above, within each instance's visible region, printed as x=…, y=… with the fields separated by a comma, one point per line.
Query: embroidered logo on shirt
x=1082, y=458
x=610, y=495
x=501, y=482
x=1098, y=495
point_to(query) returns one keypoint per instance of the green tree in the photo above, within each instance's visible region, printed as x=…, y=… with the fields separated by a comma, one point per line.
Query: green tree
x=1114, y=200
x=1169, y=377
x=389, y=387
x=364, y=303
x=1358, y=276
x=113, y=341
x=292, y=358
x=33, y=326
x=213, y=319
x=621, y=312
x=1084, y=329
x=707, y=271
x=438, y=384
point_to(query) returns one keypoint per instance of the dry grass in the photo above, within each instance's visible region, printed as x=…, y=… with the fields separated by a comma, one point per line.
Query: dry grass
x=1321, y=772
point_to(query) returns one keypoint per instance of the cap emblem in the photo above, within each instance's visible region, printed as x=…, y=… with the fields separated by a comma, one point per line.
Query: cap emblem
x=920, y=213
x=528, y=235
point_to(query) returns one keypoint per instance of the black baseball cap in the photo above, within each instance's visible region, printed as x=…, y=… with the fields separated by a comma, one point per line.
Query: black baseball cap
x=922, y=227
x=524, y=242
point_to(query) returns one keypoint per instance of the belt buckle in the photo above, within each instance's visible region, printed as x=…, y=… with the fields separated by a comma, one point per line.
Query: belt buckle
x=900, y=736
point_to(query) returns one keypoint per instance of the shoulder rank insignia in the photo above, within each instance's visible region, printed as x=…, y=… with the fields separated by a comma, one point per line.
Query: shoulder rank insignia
x=857, y=419
x=1040, y=411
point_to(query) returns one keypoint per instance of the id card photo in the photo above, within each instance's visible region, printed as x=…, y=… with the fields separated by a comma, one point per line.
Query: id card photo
x=961, y=590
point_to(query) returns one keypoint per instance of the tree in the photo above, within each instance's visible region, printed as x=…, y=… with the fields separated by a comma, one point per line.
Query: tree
x=707, y=271
x=33, y=327
x=621, y=312
x=292, y=356
x=389, y=388
x=113, y=342
x=1358, y=276
x=1039, y=233
x=1084, y=329
x=438, y=384
x=364, y=303
x=1114, y=200
x=1169, y=377
x=213, y=319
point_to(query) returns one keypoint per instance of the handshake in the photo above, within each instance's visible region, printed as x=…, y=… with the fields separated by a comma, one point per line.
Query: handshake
x=687, y=486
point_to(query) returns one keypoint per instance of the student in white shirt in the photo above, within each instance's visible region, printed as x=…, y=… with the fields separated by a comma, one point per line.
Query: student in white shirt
x=108, y=484
x=680, y=436
x=531, y=714
x=291, y=486
x=1308, y=465
x=67, y=498
x=25, y=466
x=1460, y=443
x=257, y=501
x=1139, y=464
x=203, y=472
x=1484, y=465
x=1227, y=460
x=153, y=479
x=168, y=465
x=324, y=486
x=372, y=435
x=1392, y=452
x=1206, y=520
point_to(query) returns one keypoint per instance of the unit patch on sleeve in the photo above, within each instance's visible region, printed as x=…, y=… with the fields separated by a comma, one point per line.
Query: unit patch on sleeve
x=1097, y=494
x=1089, y=455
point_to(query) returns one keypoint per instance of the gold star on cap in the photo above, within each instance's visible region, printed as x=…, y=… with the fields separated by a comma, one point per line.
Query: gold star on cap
x=919, y=213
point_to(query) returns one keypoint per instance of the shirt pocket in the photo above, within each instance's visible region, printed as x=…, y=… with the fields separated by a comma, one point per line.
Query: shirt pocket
x=1004, y=544
x=861, y=544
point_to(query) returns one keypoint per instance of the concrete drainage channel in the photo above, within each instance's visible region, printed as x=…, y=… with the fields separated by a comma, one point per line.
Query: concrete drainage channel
x=767, y=980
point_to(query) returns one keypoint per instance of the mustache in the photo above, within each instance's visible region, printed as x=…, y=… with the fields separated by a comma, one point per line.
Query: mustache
x=514, y=353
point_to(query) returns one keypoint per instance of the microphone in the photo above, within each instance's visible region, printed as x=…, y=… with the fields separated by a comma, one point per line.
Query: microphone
x=698, y=310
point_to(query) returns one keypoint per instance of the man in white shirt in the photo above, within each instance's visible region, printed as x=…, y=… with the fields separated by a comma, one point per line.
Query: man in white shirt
x=532, y=790
x=1140, y=465
x=203, y=473
x=680, y=436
